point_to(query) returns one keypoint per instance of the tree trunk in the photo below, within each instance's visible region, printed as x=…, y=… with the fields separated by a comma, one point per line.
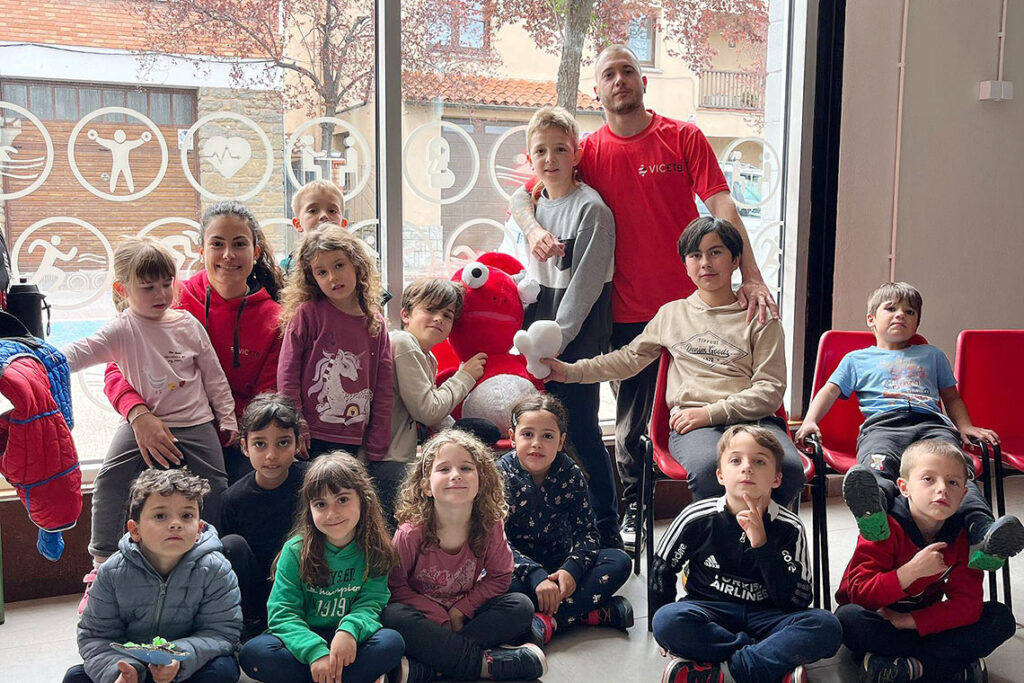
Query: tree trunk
x=574, y=32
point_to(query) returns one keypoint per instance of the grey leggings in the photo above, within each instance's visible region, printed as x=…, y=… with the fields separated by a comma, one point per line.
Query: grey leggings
x=123, y=463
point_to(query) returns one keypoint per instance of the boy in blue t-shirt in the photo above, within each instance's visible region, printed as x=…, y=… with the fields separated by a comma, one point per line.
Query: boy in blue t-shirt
x=902, y=389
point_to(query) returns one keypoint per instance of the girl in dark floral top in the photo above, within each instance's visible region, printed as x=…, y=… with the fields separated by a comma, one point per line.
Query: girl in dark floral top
x=558, y=562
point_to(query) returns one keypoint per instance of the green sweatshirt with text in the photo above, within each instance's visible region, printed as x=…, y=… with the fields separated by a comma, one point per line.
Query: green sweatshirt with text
x=298, y=612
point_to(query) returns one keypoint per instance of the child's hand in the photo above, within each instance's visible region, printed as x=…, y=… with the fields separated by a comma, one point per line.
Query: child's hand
x=900, y=620
x=128, y=673
x=558, y=370
x=475, y=365
x=807, y=429
x=688, y=419
x=232, y=437
x=165, y=673
x=566, y=584
x=928, y=561
x=549, y=596
x=544, y=245
x=457, y=619
x=343, y=652
x=979, y=433
x=303, y=439
x=751, y=521
x=320, y=670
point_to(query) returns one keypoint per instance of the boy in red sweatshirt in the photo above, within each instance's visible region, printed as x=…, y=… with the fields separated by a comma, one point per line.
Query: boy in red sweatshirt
x=911, y=607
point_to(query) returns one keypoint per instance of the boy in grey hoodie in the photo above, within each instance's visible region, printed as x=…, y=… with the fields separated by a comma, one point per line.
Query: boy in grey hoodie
x=168, y=579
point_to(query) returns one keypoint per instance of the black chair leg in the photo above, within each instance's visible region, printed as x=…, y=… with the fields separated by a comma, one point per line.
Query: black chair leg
x=640, y=503
x=821, y=526
x=997, y=459
x=648, y=529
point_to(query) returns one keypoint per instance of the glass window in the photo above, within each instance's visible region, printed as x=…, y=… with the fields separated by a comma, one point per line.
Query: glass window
x=641, y=39
x=16, y=94
x=472, y=27
x=88, y=100
x=160, y=108
x=67, y=103
x=40, y=98
x=136, y=101
x=113, y=98
x=183, y=106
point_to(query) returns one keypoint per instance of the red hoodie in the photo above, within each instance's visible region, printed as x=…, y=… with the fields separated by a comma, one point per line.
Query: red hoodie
x=244, y=334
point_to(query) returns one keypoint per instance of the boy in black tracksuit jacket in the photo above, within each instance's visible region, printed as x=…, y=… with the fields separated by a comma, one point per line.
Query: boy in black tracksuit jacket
x=748, y=584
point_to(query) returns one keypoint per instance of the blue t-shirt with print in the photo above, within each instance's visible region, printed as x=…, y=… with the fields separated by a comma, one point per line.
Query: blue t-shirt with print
x=894, y=380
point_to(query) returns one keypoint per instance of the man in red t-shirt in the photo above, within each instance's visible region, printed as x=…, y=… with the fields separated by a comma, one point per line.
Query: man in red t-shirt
x=647, y=168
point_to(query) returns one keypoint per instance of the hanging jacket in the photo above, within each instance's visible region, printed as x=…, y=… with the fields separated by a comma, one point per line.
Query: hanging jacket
x=21, y=341
x=243, y=331
x=39, y=457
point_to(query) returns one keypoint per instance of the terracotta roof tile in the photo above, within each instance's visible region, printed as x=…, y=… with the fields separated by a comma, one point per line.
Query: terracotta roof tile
x=486, y=90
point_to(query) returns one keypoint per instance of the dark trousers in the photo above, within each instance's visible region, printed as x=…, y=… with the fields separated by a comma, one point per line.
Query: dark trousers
x=595, y=588
x=942, y=654
x=697, y=451
x=758, y=644
x=582, y=402
x=500, y=620
x=222, y=669
x=634, y=399
x=880, y=444
x=388, y=477
x=253, y=581
x=265, y=658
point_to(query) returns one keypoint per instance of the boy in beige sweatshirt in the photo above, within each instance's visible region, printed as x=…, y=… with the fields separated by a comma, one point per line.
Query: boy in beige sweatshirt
x=725, y=369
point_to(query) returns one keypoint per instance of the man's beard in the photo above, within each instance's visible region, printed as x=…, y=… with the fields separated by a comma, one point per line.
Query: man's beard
x=622, y=107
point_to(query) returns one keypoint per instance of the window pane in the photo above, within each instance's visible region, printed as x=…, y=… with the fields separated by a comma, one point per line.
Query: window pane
x=67, y=104
x=16, y=94
x=640, y=39
x=183, y=105
x=472, y=27
x=137, y=102
x=113, y=98
x=41, y=99
x=88, y=100
x=160, y=108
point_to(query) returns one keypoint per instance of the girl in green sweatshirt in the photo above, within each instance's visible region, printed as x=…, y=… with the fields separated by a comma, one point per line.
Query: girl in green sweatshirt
x=330, y=585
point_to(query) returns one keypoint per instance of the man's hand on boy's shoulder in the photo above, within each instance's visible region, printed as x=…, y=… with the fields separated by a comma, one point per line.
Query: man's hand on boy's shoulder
x=758, y=300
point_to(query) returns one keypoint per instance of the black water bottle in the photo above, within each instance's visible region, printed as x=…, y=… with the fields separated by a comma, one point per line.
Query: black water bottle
x=26, y=303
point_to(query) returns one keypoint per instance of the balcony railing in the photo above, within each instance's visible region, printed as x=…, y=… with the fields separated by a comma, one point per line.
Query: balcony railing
x=731, y=90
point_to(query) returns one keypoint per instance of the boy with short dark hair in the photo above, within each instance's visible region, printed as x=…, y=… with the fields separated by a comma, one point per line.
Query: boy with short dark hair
x=430, y=306
x=900, y=386
x=748, y=583
x=167, y=579
x=911, y=606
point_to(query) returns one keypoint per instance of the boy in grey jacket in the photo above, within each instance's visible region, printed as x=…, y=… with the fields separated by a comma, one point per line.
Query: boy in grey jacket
x=168, y=579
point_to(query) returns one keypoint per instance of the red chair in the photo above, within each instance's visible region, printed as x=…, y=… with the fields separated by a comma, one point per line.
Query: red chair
x=990, y=373
x=658, y=459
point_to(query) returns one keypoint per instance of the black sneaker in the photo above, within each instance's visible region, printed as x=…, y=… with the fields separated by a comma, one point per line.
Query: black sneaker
x=975, y=672
x=627, y=530
x=880, y=669
x=618, y=613
x=411, y=671
x=685, y=671
x=524, y=662
x=866, y=501
x=1005, y=538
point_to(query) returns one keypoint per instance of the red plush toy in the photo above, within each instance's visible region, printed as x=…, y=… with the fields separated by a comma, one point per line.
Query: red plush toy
x=492, y=313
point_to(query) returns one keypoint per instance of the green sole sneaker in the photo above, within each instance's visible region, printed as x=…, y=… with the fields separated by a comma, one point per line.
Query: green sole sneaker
x=864, y=498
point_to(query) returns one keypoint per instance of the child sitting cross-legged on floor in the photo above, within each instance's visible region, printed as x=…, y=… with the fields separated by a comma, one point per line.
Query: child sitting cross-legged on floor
x=913, y=607
x=560, y=564
x=748, y=583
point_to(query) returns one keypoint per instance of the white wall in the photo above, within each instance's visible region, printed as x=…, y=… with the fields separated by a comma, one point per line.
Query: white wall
x=960, y=209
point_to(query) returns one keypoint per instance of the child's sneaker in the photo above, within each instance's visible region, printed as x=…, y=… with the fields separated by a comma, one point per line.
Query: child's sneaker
x=411, y=671
x=686, y=671
x=880, y=669
x=1005, y=538
x=617, y=613
x=88, y=579
x=975, y=672
x=542, y=628
x=867, y=503
x=524, y=662
x=797, y=675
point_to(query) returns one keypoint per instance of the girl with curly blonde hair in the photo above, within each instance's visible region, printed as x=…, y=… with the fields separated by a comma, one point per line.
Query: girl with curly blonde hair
x=336, y=357
x=330, y=585
x=448, y=594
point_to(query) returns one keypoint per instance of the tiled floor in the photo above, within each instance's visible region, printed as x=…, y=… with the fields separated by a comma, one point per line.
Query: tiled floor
x=38, y=641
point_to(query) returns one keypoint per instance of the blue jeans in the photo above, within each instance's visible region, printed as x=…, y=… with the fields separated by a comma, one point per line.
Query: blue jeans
x=222, y=669
x=265, y=658
x=595, y=588
x=759, y=644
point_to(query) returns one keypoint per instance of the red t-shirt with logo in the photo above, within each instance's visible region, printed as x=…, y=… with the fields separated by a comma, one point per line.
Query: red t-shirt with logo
x=649, y=180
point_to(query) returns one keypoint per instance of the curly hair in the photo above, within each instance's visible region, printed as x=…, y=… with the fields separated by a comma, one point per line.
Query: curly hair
x=265, y=270
x=301, y=286
x=328, y=475
x=489, y=506
x=165, y=483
